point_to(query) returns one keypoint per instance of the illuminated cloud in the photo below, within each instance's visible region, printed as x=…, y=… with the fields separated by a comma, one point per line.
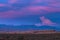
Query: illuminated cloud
x=12, y=1
x=46, y=22
x=15, y=8
x=2, y=5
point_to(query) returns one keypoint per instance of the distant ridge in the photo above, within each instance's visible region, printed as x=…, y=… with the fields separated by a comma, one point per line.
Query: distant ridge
x=12, y=28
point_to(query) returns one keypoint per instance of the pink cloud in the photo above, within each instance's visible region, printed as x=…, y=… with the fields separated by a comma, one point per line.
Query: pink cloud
x=12, y=1
x=46, y=22
x=36, y=8
x=41, y=9
x=30, y=10
x=51, y=3
x=1, y=5
x=11, y=14
x=55, y=5
x=36, y=1
x=24, y=11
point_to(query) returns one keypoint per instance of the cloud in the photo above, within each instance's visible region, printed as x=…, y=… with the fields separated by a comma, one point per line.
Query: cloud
x=12, y=1
x=31, y=10
x=2, y=5
x=46, y=22
x=17, y=8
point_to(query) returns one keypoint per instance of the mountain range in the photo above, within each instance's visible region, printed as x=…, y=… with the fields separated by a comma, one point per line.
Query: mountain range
x=10, y=28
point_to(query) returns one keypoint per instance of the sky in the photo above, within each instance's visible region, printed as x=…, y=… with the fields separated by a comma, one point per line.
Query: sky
x=16, y=12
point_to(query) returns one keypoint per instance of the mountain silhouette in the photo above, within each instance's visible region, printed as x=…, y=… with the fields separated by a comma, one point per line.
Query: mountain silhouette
x=7, y=28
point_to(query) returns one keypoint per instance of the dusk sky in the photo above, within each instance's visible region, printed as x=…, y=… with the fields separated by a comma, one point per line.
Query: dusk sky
x=28, y=11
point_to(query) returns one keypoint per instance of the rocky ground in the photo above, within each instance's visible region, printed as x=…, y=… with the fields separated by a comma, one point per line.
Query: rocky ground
x=31, y=35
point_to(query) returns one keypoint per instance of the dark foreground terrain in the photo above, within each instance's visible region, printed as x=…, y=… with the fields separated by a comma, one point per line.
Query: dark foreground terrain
x=31, y=36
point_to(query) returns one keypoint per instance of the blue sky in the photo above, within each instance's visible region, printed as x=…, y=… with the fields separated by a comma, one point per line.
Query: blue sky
x=31, y=19
x=28, y=11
